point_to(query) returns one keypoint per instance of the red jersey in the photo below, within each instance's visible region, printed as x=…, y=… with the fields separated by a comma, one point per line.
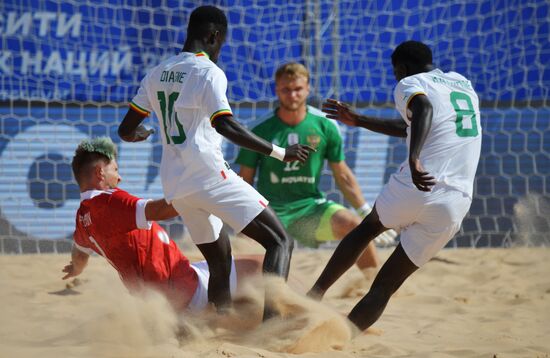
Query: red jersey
x=112, y=223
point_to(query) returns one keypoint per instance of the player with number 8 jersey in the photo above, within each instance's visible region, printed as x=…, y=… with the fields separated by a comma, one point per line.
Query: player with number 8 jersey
x=431, y=192
x=451, y=150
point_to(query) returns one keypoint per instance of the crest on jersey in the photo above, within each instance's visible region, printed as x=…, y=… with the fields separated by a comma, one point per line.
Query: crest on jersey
x=313, y=140
x=293, y=138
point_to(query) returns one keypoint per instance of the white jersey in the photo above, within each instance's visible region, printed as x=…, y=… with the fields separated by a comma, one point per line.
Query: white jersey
x=452, y=148
x=186, y=92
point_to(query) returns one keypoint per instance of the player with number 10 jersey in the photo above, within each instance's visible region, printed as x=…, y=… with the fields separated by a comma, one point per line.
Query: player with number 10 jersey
x=188, y=91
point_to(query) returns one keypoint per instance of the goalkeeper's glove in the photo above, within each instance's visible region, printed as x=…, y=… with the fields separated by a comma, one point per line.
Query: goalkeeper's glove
x=364, y=210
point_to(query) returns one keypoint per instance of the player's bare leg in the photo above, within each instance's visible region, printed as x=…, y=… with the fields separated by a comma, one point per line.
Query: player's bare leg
x=391, y=276
x=347, y=253
x=343, y=222
x=268, y=231
x=218, y=257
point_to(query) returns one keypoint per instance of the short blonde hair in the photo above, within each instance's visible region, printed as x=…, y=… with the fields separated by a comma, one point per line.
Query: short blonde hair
x=292, y=69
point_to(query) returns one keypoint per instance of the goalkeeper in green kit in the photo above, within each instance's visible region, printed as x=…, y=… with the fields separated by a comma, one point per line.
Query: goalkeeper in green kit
x=293, y=188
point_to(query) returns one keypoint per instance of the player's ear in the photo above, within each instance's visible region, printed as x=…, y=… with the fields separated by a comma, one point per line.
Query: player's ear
x=213, y=37
x=400, y=70
x=99, y=171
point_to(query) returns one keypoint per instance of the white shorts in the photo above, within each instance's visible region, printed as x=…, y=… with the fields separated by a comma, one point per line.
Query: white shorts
x=200, y=298
x=232, y=200
x=427, y=220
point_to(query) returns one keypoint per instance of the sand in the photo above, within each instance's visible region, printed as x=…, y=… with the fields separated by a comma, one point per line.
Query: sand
x=466, y=303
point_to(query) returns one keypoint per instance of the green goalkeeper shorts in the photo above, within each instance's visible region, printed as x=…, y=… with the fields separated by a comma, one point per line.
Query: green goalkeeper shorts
x=315, y=228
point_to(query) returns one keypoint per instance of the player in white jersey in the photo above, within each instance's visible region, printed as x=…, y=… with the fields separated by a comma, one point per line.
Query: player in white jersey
x=431, y=192
x=187, y=92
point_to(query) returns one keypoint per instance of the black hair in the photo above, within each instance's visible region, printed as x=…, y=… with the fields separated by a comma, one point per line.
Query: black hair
x=88, y=152
x=203, y=18
x=412, y=52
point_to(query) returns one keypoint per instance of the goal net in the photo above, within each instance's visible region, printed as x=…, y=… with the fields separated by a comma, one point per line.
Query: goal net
x=68, y=69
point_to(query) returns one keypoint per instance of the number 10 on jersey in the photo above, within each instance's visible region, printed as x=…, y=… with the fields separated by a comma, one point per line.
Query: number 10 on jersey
x=170, y=118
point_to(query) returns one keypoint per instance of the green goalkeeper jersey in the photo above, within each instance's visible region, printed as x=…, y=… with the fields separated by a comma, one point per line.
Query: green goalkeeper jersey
x=293, y=188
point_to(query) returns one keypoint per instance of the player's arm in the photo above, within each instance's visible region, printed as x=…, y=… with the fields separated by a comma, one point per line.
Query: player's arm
x=136, y=213
x=247, y=173
x=131, y=129
x=228, y=127
x=79, y=260
x=347, y=183
x=420, y=114
x=159, y=210
x=341, y=112
x=139, y=213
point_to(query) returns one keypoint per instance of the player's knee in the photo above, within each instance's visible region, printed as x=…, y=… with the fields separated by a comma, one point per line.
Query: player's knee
x=351, y=223
x=370, y=228
x=343, y=222
x=286, y=240
x=283, y=241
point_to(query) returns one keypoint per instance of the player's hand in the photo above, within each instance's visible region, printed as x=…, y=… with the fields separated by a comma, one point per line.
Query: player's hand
x=299, y=152
x=70, y=271
x=141, y=133
x=420, y=177
x=340, y=111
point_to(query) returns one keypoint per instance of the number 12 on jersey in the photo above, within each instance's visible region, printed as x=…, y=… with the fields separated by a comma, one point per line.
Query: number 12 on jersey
x=170, y=118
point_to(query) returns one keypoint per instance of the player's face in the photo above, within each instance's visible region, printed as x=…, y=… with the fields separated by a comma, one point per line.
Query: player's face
x=292, y=92
x=111, y=176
